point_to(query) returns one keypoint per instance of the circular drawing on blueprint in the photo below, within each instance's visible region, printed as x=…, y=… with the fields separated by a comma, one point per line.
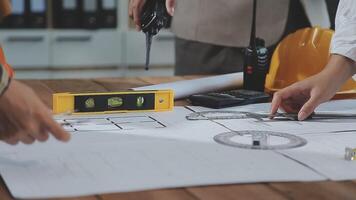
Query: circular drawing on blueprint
x=262, y=140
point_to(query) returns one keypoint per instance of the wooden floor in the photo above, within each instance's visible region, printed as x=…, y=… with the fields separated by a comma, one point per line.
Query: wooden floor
x=295, y=190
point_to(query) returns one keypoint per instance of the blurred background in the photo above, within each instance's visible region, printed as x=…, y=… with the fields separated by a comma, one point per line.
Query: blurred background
x=56, y=39
x=53, y=39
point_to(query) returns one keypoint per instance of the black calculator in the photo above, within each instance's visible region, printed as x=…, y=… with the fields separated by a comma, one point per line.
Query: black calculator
x=228, y=98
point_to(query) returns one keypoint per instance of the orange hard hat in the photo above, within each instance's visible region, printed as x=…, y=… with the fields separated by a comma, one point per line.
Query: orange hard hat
x=301, y=55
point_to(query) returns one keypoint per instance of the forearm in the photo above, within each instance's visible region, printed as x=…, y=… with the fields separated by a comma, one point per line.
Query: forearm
x=339, y=69
x=344, y=39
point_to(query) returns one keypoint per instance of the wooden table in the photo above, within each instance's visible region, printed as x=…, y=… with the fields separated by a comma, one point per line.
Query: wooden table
x=275, y=191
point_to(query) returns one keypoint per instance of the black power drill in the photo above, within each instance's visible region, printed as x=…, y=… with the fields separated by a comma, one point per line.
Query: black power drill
x=256, y=60
x=154, y=17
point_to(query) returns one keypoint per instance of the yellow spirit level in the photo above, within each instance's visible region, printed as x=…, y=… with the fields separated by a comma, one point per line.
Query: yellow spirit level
x=111, y=102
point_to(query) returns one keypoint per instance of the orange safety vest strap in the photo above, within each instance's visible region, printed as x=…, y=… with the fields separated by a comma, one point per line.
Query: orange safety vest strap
x=6, y=66
x=6, y=73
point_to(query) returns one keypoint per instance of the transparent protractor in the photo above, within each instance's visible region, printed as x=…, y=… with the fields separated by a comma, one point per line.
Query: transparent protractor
x=275, y=141
x=216, y=115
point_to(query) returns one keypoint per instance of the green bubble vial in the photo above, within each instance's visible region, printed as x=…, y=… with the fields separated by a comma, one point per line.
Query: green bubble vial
x=140, y=101
x=115, y=102
x=90, y=103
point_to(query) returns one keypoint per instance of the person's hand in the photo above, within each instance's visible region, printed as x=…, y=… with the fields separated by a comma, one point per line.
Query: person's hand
x=303, y=97
x=5, y=8
x=136, y=6
x=24, y=118
x=170, y=5
x=135, y=9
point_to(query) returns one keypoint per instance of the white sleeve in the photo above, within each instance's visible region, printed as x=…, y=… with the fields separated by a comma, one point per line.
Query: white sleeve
x=344, y=39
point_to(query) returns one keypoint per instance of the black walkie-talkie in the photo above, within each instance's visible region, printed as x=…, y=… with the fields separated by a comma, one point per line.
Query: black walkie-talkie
x=256, y=62
x=255, y=70
x=154, y=17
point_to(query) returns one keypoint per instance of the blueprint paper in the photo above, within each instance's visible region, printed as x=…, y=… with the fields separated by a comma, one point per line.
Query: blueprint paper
x=344, y=106
x=121, y=163
x=140, y=151
x=172, y=125
x=327, y=139
x=292, y=127
x=325, y=154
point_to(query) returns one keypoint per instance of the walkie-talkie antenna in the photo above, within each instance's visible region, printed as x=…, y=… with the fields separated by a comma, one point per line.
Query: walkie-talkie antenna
x=253, y=27
x=256, y=59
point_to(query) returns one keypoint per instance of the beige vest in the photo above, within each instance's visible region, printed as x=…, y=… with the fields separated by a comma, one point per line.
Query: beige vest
x=228, y=22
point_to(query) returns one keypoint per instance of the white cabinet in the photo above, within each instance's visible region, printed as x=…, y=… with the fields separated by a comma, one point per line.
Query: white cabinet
x=85, y=48
x=162, y=49
x=26, y=48
x=64, y=48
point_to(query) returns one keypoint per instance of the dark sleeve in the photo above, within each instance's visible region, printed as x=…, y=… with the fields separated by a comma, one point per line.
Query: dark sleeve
x=5, y=78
